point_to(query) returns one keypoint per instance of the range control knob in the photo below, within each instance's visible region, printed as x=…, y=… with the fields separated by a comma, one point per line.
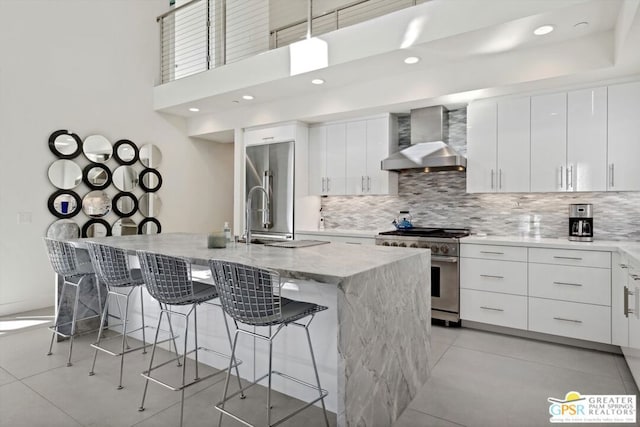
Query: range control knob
x=394, y=244
x=385, y=243
x=434, y=249
x=444, y=249
x=413, y=245
x=403, y=245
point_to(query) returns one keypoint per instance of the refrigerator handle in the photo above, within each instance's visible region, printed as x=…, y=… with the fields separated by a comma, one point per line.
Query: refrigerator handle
x=266, y=201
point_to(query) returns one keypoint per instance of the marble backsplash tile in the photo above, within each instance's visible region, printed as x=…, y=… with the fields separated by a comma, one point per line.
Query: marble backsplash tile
x=440, y=200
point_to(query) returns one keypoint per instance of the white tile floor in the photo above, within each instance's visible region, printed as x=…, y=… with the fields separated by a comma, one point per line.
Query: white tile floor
x=478, y=379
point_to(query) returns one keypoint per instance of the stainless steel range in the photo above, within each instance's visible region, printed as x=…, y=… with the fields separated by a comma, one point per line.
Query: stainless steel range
x=445, y=269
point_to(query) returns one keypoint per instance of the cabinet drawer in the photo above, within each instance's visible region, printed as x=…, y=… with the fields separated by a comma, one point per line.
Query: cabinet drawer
x=270, y=134
x=508, y=277
x=576, y=284
x=493, y=308
x=570, y=257
x=505, y=253
x=570, y=319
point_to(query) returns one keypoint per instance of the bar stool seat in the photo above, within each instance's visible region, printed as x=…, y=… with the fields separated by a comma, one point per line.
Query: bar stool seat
x=67, y=262
x=251, y=296
x=169, y=280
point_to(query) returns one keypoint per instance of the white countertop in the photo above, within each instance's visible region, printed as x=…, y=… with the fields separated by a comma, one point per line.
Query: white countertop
x=343, y=233
x=629, y=248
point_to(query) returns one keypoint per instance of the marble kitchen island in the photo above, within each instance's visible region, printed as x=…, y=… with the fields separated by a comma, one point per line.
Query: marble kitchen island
x=372, y=345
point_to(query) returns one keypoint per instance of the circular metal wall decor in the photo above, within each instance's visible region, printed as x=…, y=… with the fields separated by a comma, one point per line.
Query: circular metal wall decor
x=63, y=229
x=97, y=148
x=96, y=228
x=97, y=176
x=65, y=174
x=124, y=227
x=125, y=152
x=96, y=204
x=150, y=180
x=125, y=204
x=150, y=205
x=125, y=178
x=149, y=226
x=150, y=156
x=65, y=144
x=64, y=204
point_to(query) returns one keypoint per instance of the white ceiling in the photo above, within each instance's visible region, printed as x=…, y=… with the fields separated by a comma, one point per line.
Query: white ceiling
x=465, y=53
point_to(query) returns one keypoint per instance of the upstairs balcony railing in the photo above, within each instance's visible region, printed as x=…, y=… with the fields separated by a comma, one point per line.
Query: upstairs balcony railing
x=199, y=35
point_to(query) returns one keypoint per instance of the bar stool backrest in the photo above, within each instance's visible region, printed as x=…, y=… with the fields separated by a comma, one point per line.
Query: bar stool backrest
x=248, y=294
x=111, y=264
x=62, y=256
x=168, y=278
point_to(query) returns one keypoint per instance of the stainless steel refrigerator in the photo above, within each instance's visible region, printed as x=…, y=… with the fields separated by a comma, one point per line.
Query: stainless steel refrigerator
x=271, y=166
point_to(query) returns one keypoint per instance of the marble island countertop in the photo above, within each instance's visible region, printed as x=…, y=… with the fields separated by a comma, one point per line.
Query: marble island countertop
x=329, y=263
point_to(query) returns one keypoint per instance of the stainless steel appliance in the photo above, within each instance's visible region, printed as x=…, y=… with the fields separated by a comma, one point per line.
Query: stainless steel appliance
x=271, y=167
x=581, y=222
x=445, y=268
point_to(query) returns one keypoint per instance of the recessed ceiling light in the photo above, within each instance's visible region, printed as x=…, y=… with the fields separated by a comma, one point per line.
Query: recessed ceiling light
x=235, y=101
x=582, y=24
x=194, y=110
x=317, y=81
x=411, y=60
x=545, y=29
x=247, y=97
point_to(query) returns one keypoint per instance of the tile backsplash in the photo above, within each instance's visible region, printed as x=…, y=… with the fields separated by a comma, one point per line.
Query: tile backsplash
x=439, y=199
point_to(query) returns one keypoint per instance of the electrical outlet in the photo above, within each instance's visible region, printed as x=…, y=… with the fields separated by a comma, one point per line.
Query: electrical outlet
x=25, y=217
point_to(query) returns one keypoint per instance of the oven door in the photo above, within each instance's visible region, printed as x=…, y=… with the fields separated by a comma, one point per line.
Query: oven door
x=445, y=288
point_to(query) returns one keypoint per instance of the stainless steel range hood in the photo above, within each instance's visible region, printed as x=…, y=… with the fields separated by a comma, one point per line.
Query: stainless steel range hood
x=428, y=150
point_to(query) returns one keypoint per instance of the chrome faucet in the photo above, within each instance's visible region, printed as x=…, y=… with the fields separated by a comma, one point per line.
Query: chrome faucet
x=248, y=211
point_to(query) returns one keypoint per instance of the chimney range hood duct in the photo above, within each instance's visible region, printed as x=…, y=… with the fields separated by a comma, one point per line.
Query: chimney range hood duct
x=428, y=151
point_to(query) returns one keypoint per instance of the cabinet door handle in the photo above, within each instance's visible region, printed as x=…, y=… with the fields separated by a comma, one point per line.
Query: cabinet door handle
x=492, y=179
x=500, y=179
x=567, y=284
x=362, y=184
x=491, y=308
x=266, y=138
x=568, y=320
x=491, y=252
x=492, y=276
x=570, y=177
x=624, y=266
x=626, y=302
x=322, y=185
x=611, y=172
x=561, y=173
x=568, y=257
x=368, y=184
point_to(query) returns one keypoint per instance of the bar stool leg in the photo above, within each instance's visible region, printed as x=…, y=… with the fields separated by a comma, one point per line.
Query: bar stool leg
x=233, y=359
x=269, y=384
x=184, y=364
x=173, y=337
x=55, y=322
x=73, y=321
x=124, y=337
x=195, y=336
x=315, y=369
x=153, y=353
x=144, y=339
x=103, y=319
x=228, y=376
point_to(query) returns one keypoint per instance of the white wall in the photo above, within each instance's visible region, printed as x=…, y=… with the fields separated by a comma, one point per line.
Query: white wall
x=88, y=66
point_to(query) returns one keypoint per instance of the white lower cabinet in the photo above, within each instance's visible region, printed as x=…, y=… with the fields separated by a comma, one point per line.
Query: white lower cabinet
x=554, y=291
x=570, y=319
x=494, y=308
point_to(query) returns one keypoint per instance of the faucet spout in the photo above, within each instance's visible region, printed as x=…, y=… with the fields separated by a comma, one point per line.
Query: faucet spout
x=248, y=210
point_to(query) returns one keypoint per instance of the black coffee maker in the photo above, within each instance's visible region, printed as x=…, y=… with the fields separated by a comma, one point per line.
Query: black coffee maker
x=581, y=222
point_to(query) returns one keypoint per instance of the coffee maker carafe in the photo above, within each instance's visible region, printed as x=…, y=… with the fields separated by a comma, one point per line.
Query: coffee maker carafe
x=581, y=222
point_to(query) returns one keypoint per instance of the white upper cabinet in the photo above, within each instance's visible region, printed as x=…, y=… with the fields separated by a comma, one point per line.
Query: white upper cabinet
x=482, y=118
x=498, y=144
x=587, y=139
x=270, y=134
x=327, y=157
x=514, y=124
x=549, y=142
x=344, y=157
x=624, y=137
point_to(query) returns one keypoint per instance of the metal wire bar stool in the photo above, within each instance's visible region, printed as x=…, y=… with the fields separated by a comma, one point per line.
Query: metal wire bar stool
x=169, y=280
x=112, y=267
x=64, y=261
x=251, y=296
